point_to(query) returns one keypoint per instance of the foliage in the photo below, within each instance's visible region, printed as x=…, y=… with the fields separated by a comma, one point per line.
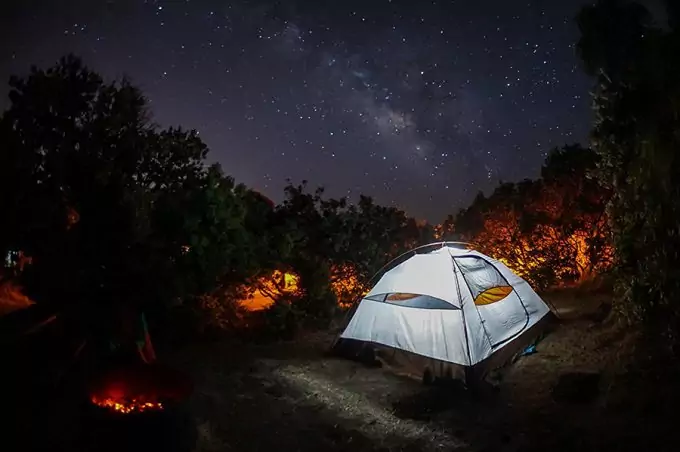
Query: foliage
x=335, y=247
x=551, y=230
x=223, y=311
x=637, y=134
x=304, y=222
x=379, y=234
x=110, y=208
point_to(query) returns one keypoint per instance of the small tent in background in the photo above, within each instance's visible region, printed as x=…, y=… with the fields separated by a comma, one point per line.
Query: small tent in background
x=443, y=310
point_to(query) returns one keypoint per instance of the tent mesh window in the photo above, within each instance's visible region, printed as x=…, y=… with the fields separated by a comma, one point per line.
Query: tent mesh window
x=412, y=300
x=484, y=280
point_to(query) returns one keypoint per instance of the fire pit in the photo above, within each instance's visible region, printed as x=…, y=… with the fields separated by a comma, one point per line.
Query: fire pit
x=126, y=406
x=140, y=407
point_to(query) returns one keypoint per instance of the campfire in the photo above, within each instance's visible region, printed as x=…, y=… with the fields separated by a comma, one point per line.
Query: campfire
x=138, y=389
x=137, y=407
x=126, y=406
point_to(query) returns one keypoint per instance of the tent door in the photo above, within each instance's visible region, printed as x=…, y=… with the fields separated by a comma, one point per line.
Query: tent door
x=501, y=311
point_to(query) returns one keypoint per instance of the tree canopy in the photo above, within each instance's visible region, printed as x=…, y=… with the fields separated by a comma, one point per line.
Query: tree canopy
x=548, y=230
x=110, y=207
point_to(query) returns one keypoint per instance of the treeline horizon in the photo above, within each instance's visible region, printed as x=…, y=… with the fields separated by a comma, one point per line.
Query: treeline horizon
x=113, y=208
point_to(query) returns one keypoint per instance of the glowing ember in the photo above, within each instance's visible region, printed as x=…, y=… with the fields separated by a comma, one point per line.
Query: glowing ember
x=127, y=406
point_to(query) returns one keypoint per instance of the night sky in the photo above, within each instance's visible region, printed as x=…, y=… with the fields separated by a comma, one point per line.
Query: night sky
x=420, y=104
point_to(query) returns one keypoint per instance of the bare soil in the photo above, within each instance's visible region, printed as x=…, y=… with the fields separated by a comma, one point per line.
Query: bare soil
x=294, y=396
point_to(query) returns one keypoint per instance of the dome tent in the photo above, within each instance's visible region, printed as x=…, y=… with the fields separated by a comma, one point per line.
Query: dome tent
x=444, y=310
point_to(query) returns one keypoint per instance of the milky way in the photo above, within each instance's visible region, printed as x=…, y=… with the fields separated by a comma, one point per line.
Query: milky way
x=418, y=104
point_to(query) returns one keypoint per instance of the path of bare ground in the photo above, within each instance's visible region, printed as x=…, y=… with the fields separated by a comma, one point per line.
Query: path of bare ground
x=291, y=396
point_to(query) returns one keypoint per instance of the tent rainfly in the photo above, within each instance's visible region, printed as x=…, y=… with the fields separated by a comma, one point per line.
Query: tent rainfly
x=444, y=310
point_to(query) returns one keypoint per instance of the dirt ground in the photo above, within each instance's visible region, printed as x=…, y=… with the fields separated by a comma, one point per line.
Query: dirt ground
x=293, y=396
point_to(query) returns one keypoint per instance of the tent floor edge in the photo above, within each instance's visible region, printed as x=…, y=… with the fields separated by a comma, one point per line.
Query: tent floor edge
x=373, y=354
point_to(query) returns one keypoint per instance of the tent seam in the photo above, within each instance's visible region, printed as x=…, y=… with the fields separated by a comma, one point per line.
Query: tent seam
x=462, y=310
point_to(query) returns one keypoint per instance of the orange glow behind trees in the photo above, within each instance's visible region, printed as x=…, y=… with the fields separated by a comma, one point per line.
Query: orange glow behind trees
x=550, y=231
x=12, y=298
x=345, y=284
x=266, y=290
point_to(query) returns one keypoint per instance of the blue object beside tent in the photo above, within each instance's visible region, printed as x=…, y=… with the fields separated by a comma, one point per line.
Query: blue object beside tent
x=530, y=350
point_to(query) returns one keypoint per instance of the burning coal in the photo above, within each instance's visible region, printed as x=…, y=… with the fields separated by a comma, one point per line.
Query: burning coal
x=139, y=388
x=126, y=406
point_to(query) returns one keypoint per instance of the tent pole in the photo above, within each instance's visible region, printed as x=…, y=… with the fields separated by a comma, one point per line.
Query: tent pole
x=462, y=312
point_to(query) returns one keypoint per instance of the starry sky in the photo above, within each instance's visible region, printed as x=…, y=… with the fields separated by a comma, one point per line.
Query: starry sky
x=420, y=104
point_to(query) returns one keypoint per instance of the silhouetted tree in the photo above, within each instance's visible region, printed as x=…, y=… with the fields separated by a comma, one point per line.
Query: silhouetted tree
x=636, y=135
x=550, y=230
x=335, y=247
x=111, y=208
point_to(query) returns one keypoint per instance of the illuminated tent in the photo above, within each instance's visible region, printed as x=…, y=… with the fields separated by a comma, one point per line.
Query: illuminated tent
x=444, y=310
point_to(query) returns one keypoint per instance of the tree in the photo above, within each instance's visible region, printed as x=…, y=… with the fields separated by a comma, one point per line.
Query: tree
x=636, y=135
x=571, y=209
x=550, y=230
x=335, y=247
x=110, y=207
x=56, y=135
x=500, y=227
x=378, y=234
x=610, y=37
